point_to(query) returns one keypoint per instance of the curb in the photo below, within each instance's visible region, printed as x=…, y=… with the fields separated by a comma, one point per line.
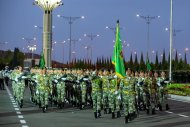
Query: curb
x=180, y=98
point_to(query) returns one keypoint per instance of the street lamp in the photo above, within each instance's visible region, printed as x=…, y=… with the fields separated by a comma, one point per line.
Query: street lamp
x=92, y=37
x=88, y=49
x=148, y=19
x=153, y=53
x=63, y=42
x=73, y=54
x=71, y=21
x=74, y=42
x=174, y=33
x=114, y=29
x=29, y=40
x=32, y=49
x=47, y=6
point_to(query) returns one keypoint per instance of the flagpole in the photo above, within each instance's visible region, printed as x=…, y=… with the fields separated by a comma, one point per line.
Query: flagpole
x=171, y=39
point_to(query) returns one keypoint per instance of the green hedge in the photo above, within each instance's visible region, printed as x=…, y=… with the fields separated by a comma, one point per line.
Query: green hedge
x=179, y=89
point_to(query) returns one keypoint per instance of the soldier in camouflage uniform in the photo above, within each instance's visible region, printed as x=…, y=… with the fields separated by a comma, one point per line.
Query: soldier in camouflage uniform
x=61, y=89
x=127, y=86
x=163, y=99
x=140, y=91
x=96, y=94
x=44, y=89
x=18, y=85
x=105, y=87
x=152, y=91
x=115, y=96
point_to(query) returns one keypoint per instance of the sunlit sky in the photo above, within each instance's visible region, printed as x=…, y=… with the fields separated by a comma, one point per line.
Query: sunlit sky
x=18, y=17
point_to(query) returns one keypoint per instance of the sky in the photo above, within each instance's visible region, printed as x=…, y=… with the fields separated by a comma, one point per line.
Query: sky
x=18, y=17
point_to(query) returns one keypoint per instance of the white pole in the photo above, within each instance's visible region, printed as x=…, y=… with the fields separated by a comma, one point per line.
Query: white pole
x=171, y=39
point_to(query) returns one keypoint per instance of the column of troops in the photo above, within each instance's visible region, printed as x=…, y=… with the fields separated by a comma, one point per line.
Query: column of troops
x=100, y=89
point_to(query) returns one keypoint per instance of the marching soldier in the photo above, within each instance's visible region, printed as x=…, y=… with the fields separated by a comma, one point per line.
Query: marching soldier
x=128, y=91
x=152, y=91
x=44, y=90
x=105, y=87
x=115, y=96
x=61, y=89
x=140, y=91
x=96, y=94
x=18, y=85
x=163, y=90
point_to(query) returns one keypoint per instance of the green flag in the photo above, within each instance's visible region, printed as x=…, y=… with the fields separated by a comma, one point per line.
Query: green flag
x=117, y=58
x=42, y=61
x=148, y=66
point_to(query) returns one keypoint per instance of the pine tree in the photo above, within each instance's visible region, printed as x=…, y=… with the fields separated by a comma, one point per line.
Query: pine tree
x=136, y=63
x=176, y=62
x=164, y=62
x=156, y=62
x=142, y=63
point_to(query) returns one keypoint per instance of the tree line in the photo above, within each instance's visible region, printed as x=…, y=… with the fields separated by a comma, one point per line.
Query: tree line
x=16, y=58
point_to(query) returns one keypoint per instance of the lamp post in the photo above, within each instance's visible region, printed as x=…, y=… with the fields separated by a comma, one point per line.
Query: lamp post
x=74, y=42
x=74, y=55
x=153, y=53
x=92, y=37
x=148, y=19
x=114, y=29
x=174, y=32
x=88, y=50
x=29, y=40
x=125, y=44
x=32, y=49
x=47, y=6
x=171, y=38
x=71, y=20
x=63, y=42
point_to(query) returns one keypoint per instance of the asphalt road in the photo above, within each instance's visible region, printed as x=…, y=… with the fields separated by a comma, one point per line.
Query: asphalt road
x=31, y=116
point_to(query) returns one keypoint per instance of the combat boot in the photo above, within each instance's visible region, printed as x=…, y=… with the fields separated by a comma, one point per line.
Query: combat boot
x=147, y=111
x=167, y=107
x=95, y=115
x=63, y=104
x=113, y=115
x=126, y=119
x=105, y=111
x=118, y=114
x=130, y=117
x=99, y=113
x=109, y=112
x=160, y=107
x=21, y=103
x=153, y=111
x=43, y=109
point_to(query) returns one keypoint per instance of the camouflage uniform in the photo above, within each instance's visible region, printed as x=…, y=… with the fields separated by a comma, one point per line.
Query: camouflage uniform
x=96, y=95
x=105, y=86
x=114, y=97
x=44, y=91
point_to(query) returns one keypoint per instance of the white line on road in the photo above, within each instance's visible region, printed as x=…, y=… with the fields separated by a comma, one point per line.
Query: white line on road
x=15, y=106
x=18, y=112
x=22, y=121
x=16, y=109
x=169, y=112
x=24, y=126
x=20, y=116
x=177, y=114
x=183, y=115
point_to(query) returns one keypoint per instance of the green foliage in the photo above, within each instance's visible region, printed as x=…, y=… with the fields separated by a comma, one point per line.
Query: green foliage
x=179, y=89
